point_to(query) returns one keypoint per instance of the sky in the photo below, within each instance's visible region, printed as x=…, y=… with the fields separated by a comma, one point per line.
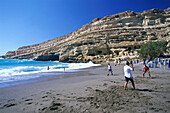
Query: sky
x=28, y=22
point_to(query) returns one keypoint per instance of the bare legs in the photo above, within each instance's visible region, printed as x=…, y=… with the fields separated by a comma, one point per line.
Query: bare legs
x=144, y=74
x=148, y=73
x=133, y=84
x=125, y=85
x=109, y=72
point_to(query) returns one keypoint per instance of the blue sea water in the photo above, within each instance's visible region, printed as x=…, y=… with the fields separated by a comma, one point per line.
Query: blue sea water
x=12, y=70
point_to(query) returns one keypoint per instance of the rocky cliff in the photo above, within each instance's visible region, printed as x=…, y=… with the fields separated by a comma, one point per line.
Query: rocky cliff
x=104, y=39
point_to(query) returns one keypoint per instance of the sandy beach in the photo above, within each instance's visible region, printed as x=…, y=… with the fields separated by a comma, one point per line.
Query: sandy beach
x=89, y=91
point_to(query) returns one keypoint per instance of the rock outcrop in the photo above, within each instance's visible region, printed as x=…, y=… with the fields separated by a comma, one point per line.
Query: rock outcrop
x=104, y=39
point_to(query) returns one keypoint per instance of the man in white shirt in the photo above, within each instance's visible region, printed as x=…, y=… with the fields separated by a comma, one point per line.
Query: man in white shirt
x=128, y=75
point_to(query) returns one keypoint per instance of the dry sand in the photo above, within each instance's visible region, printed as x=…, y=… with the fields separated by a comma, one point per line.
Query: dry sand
x=89, y=91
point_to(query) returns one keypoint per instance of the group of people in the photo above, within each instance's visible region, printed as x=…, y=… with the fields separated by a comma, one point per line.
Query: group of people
x=127, y=72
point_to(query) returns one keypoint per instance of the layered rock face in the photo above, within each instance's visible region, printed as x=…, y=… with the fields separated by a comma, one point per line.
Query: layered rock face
x=104, y=39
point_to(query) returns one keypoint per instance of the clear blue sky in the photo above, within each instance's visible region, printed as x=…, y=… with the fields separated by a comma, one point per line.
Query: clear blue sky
x=28, y=22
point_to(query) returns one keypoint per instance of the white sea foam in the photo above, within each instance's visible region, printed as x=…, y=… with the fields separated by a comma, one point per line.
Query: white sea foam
x=28, y=72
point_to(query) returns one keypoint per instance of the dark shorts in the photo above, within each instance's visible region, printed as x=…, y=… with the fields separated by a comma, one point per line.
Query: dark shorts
x=110, y=70
x=146, y=71
x=127, y=79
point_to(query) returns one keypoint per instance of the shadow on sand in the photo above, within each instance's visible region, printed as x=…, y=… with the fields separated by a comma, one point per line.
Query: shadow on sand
x=115, y=74
x=146, y=90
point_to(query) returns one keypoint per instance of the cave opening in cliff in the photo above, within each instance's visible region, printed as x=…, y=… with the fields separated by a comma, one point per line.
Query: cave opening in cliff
x=92, y=55
x=99, y=52
x=129, y=48
x=117, y=53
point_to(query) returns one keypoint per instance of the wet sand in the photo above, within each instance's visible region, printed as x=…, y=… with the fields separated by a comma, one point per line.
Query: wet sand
x=90, y=90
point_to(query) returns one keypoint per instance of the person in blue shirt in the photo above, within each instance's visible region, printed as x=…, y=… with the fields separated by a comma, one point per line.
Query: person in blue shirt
x=143, y=61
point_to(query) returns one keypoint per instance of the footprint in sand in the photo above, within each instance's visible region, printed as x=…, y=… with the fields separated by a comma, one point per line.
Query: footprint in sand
x=9, y=105
x=28, y=101
x=89, y=88
x=44, y=108
x=58, y=94
x=48, y=93
x=45, y=96
x=55, y=106
x=105, y=84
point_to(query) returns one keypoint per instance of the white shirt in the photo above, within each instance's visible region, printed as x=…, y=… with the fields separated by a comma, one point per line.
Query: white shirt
x=109, y=67
x=127, y=71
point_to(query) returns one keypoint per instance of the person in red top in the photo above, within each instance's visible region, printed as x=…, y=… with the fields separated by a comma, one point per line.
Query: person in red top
x=146, y=69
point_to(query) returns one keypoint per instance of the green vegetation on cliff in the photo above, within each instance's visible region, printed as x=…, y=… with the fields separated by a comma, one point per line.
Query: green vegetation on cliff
x=152, y=49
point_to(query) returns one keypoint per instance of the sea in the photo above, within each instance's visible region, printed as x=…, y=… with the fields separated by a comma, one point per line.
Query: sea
x=15, y=72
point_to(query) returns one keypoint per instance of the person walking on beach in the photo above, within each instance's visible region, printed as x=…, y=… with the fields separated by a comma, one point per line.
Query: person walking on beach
x=48, y=68
x=143, y=61
x=131, y=63
x=128, y=75
x=119, y=61
x=116, y=63
x=148, y=60
x=146, y=69
x=109, y=69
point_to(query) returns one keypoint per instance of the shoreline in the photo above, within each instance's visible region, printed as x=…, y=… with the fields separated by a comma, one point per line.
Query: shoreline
x=90, y=90
x=19, y=72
